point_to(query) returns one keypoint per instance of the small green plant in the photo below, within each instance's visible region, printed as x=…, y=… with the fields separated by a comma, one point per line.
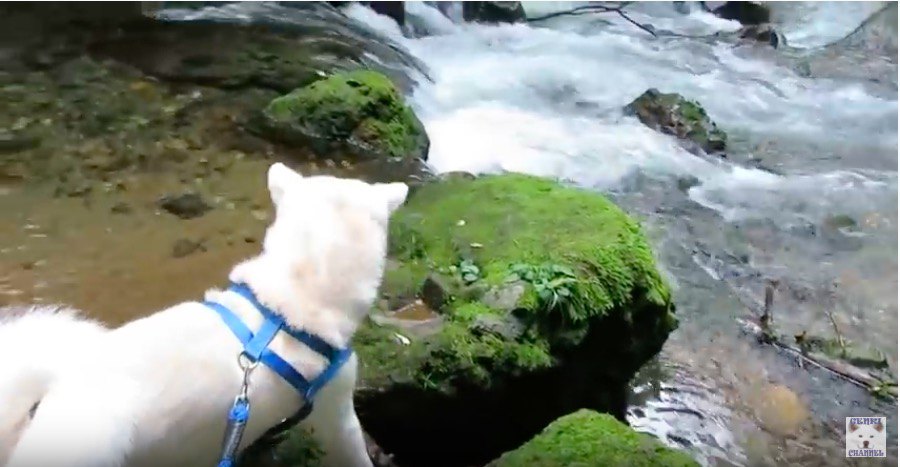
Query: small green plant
x=554, y=284
x=467, y=270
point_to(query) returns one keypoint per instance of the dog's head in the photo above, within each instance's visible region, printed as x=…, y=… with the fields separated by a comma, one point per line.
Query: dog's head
x=331, y=233
x=866, y=436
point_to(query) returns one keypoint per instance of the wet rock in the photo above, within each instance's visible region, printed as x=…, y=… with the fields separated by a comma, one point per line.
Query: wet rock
x=263, y=53
x=183, y=247
x=493, y=12
x=687, y=182
x=185, y=206
x=556, y=255
x=590, y=438
x=73, y=185
x=504, y=326
x=744, y=12
x=121, y=208
x=393, y=10
x=11, y=142
x=359, y=112
x=878, y=33
x=456, y=175
x=762, y=33
x=674, y=115
x=435, y=292
x=840, y=221
x=505, y=297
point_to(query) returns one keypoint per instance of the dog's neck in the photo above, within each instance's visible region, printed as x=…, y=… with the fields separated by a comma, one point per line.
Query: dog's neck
x=281, y=287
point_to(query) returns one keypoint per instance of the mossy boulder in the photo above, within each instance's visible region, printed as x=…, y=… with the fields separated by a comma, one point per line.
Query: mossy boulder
x=552, y=302
x=685, y=119
x=358, y=113
x=587, y=438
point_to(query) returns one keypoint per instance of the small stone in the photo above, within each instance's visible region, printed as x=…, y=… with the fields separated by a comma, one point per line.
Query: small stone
x=505, y=297
x=506, y=326
x=121, y=208
x=185, y=206
x=184, y=247
x=687, y=182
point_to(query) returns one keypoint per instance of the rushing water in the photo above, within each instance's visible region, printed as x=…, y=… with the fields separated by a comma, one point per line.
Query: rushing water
x=546, y=98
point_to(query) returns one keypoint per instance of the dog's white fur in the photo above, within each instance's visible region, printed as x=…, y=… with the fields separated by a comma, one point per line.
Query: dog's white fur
x=158, y=390
x=36, y=343
x=866, y=436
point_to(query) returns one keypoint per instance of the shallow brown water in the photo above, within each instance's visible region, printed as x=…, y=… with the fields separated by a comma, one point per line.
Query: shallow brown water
x=117, y=267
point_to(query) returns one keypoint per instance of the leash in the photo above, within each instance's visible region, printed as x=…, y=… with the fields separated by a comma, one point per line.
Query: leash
x=256, y=351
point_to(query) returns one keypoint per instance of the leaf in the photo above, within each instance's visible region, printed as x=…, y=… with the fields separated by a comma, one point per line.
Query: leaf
x=470, y=277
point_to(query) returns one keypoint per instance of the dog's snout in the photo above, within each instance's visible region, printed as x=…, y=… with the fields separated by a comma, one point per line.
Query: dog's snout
x=865, y=444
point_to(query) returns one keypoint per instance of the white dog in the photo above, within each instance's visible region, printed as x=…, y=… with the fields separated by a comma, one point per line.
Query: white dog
x=158, y=391
x=39, y=342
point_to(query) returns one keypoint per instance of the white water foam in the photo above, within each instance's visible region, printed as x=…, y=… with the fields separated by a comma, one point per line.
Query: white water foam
x=547, y=102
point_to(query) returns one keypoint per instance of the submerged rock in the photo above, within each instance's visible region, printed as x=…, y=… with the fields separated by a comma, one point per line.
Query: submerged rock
x=878, y=33
x=589, y=309
x=185, y=206
x=493, y=12
x=764, y=33
x=674, y=115
x=589, y=438
x=358, y=112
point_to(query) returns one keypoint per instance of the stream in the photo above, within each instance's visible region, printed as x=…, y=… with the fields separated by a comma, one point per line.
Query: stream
x=546, y=99
x=807, y=195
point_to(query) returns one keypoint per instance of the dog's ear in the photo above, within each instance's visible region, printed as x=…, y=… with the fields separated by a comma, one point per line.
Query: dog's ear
x=853, y=427
x=280, y=177
x=879, y=427
x=394, y=193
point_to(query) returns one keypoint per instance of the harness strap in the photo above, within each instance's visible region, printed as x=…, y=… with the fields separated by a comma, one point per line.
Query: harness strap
x=266, y=356
x=313, y=342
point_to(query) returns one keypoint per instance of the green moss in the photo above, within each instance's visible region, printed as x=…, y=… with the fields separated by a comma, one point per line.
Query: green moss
x=523, y=222
x=587, y=438
x=298, y=449
x=361, y=106
x=578, y=256
x=673, y=114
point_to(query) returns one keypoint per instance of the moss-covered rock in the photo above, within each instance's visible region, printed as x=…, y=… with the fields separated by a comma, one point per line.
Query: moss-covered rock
x=672, y=114
x=358, y=112
x=587, y=438
x=552, y=293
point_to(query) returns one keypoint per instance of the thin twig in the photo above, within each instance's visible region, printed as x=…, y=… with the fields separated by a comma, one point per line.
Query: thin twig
x=587, y=9
x=829, y=311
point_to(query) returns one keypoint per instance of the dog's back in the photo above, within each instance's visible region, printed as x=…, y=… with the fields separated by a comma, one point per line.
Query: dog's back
x=37, y=344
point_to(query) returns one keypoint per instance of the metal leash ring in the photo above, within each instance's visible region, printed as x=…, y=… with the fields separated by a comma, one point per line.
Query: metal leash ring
x=247, y=365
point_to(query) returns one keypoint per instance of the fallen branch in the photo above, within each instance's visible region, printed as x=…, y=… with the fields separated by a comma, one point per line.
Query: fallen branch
x=763, y=332
x=588, y=9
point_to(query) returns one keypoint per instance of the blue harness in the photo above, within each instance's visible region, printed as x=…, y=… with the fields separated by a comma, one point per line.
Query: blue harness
x=256, y=351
